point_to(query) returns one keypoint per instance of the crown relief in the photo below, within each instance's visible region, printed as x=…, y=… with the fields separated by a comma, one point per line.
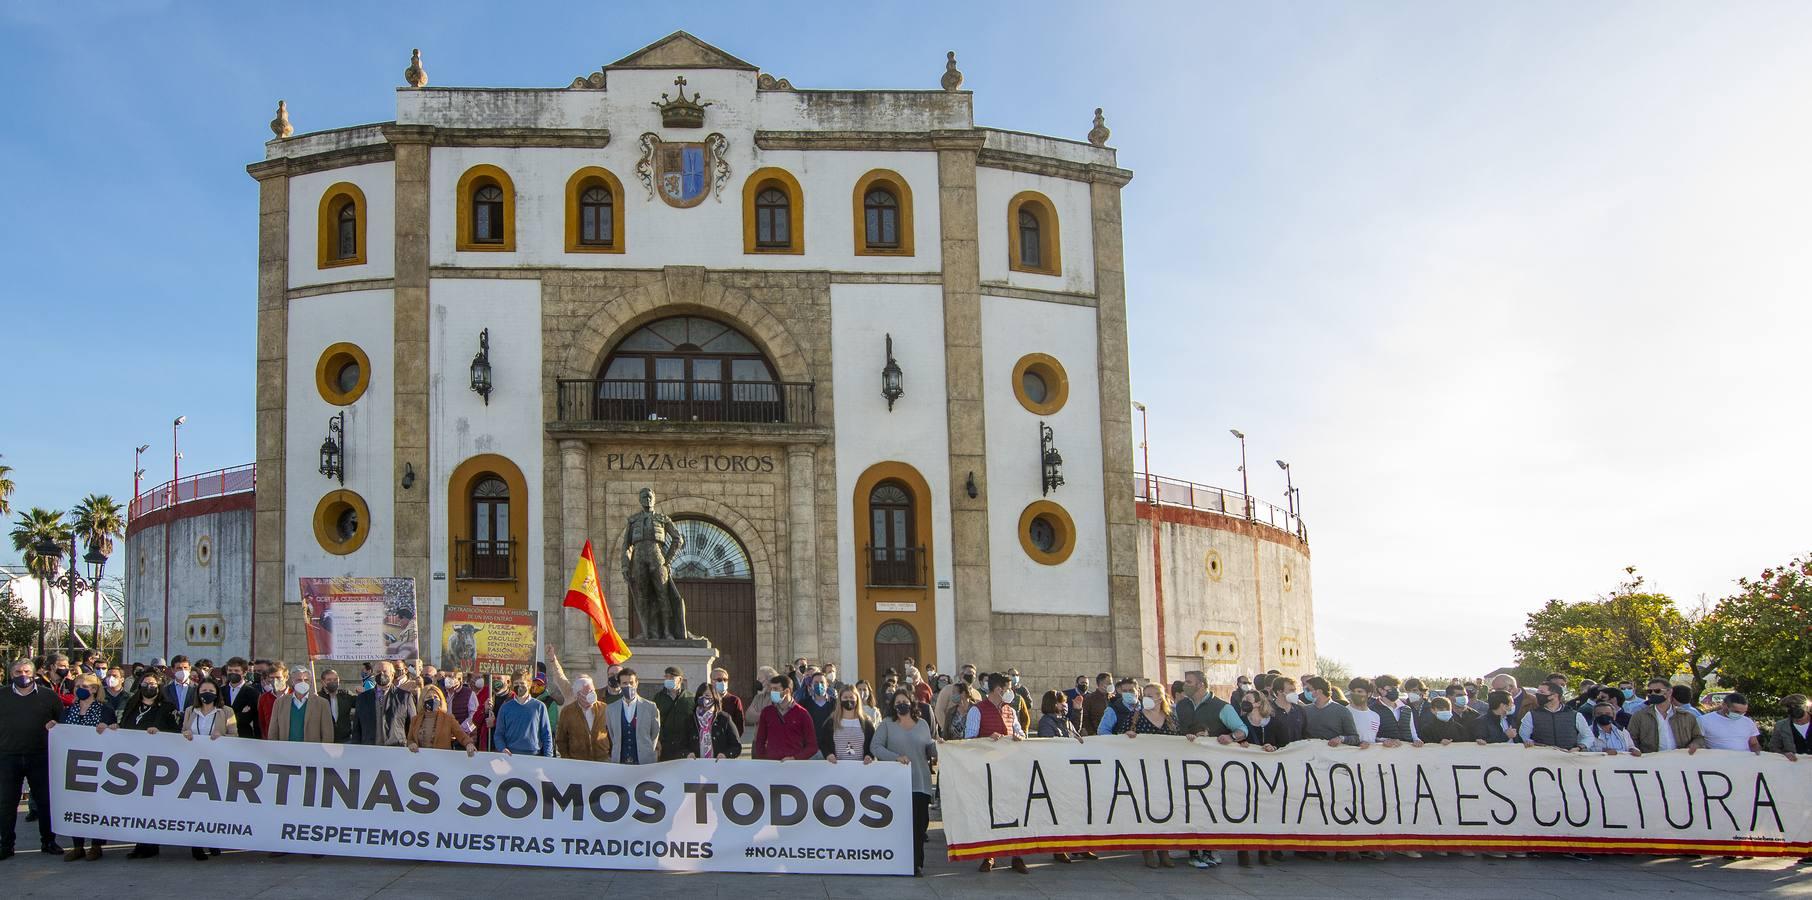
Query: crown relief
x=682, y=112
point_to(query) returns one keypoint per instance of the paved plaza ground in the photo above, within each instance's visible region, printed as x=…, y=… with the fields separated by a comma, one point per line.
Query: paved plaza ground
x=241, y=875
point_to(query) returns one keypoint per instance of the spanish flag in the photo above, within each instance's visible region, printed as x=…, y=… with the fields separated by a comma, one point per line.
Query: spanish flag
x=585, y=596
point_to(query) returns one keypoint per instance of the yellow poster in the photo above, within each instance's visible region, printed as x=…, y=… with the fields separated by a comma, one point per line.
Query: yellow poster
x=488, y=641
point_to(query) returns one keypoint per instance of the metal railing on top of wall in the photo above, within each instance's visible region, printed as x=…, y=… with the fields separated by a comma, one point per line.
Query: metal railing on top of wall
x=1188, y=494
x=218, y=483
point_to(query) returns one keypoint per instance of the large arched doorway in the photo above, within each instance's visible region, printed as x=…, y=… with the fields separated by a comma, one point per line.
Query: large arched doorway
x=713, y=574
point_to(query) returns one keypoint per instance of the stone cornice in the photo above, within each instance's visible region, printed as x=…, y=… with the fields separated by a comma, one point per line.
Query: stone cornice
x=869, y=140
x=332, y=159
x=1055, y=168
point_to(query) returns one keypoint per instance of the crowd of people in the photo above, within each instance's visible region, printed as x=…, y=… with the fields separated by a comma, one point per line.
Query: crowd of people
x=806, y=712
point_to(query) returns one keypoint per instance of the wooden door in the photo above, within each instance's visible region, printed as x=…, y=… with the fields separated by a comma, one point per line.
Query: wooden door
x=895, y=641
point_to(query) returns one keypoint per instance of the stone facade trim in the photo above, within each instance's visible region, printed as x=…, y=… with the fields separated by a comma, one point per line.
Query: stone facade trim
x=341, y=287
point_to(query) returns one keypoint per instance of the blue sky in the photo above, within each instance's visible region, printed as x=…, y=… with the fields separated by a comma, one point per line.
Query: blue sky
x=1518, y=290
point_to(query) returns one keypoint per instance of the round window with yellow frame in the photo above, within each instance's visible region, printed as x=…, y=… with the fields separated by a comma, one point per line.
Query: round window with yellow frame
x=1040, y=383
x=342, y=373
x=1215, y=568
x=1047, y=532
x=342, y=522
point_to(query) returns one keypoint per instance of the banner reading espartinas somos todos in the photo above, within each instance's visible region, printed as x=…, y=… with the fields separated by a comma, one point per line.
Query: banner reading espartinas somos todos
x=1115, y=793
x=689, y=815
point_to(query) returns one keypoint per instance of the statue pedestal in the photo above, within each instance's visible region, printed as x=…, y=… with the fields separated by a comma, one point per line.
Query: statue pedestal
x=650, y=659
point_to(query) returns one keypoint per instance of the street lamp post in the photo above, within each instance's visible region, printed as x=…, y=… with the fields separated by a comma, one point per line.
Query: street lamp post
x=175, y=472
x=97, y=562
x=48, y=552
x=1289, y=488
x=1245, y=483
x=138, y=467
x=1157, y=569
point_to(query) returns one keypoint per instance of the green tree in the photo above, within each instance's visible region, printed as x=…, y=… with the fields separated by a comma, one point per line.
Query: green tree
x=1760, y=635
x=6, y=490
x=1629, y=633
x=18, y=626
x=31, y=526
x=98, y=520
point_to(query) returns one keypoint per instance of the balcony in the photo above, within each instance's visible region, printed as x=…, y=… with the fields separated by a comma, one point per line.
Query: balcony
x=485, y=560
x=895, y=566
x=596, y=401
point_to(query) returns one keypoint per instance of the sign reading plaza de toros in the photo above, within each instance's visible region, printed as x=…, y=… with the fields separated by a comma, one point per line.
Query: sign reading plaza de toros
x=726, y=463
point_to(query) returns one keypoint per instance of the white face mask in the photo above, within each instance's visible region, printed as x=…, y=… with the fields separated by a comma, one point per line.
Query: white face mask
x=588, y=696
x=182, y=676
x=1413, y=696
x=113, y=682
x=299, y=688
x=1149, y=703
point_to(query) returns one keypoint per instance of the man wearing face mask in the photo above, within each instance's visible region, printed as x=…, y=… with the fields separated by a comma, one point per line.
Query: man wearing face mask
x=242, y=699
x=634, y=723
x=583, y=732
x=1073, y=699
x=1118, y=716
x=273, y=688
x=1551, y=724
x=1729, y=727
x=26, y=707
x=731, y=704
x=1666, y=724
x=1607, y=738
x=819, y=703
x=522, y=728
x=674, y=703
x=299, y=715
x=180, y=691
x=786, y=730
x=1396, y=719
x=116, y=692
x=339, y=705
x=383, y=716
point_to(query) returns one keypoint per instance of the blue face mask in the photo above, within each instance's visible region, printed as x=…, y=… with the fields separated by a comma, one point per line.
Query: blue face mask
x=1443, y=715
x=775, y=696
x=1129, y=698
x=82, y=693
x=1629, y=693
x=1733, y=715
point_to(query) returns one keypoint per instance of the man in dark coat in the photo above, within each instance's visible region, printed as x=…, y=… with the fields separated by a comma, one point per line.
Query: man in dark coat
x=385, y=715
x=340, y=704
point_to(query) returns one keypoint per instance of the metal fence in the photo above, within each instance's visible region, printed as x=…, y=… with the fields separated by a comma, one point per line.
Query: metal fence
x=639, y=400
x=1188, y=494
x=217, y=483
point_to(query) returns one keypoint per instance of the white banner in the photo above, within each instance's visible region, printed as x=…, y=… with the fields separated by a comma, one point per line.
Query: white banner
x=692, y=815
x=1044, y=796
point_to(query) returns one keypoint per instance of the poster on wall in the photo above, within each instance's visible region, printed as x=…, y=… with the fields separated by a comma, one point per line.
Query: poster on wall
x=360, y=618
x=488, y=640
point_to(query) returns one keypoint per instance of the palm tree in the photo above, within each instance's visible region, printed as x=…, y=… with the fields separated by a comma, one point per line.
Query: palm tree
x=6, y=491
x=34, y=525
x=98, y=520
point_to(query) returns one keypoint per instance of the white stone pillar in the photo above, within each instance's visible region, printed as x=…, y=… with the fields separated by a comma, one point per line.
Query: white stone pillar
x=802, y=554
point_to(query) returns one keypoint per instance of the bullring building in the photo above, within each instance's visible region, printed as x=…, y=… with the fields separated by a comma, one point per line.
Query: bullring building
x=871, y=356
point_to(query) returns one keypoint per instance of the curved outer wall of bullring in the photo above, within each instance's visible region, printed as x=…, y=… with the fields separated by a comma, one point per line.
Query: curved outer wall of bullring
x=1237, y=595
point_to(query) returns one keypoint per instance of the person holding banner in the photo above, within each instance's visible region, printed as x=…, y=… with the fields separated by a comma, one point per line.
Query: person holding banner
x=384, y=715
x=634, y=723
x=1606, y=737
x=992, y=717
x=436, y=729
x=785, y=730
x=905, y=737
x=1793, y=732
x=709, y=732
x=1667, y=724
x=845, y=735
x=299, y=715
x=522, y=726
x=88, y=709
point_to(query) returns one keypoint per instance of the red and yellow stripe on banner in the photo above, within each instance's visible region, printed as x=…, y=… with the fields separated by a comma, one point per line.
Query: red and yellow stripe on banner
x=1078, y=843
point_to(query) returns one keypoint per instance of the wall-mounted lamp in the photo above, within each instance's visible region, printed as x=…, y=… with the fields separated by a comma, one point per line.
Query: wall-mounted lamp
x=1049, y=458
x=891, y=377
x=408, y=475
x=970, y=487
x=333, y=450
x=481, y=367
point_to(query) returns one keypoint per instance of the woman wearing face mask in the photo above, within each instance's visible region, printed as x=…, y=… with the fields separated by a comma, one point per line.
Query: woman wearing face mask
x=905, y=737
x=710, y=733
x=90, y=711
x=1153, y=717
x=845, y=735
x=436, y=728
x=1056, y=721
x=207, y=717
x=865, y=694
x=150, y=713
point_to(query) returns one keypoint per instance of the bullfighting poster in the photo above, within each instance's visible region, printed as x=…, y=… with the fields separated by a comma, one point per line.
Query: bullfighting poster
x=360, y=618
x=488, y=640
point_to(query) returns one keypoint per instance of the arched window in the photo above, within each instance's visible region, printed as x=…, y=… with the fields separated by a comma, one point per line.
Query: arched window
x=881, y=220
x=491, y=543
x=773, y=219
x=893, y=552
x=1029, y=245
x=487, y=215
x=487, y=210
x=688, y=369
x=340, y=239
x=348, y=222
x=773, y=213
x=1032, y=235
x=594, y=212
x=594, y=217
x=882, y=206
